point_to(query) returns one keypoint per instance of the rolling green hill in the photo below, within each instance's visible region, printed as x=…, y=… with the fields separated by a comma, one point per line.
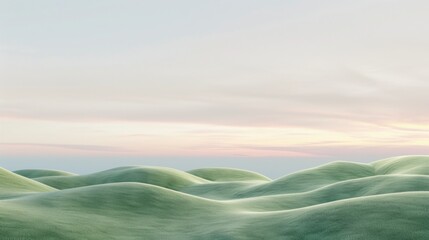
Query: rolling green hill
x=11, y=182
x=386, y=199
x=35, y=173
x=159, y=176
x=227, y=174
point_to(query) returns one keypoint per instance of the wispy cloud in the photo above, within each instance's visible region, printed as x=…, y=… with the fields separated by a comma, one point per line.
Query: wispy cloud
x=91, y=148
x=349, y=152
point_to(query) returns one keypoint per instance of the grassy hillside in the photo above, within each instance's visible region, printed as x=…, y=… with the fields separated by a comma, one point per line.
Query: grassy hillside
x=159, y=176
x=227, y=174
x=387, y=199
x=11, y=182
x=402, y=165
x=311, y=179
x=35, y=173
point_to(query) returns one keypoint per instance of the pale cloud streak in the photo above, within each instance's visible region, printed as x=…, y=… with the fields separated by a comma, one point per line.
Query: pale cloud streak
x=91, y=148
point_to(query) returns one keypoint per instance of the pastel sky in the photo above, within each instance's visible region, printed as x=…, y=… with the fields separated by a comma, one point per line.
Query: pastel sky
x=271, y=82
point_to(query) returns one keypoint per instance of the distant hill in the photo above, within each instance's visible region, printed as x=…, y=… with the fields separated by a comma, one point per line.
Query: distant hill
x=386, y=199
x=35, y=173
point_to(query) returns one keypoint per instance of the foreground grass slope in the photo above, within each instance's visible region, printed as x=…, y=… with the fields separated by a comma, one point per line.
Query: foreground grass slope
x=387, y=199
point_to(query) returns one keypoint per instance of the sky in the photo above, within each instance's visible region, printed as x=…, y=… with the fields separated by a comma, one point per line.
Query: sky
x=270, y=86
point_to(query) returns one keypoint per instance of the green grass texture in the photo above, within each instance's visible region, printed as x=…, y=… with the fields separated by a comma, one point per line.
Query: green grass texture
x=387, y=199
